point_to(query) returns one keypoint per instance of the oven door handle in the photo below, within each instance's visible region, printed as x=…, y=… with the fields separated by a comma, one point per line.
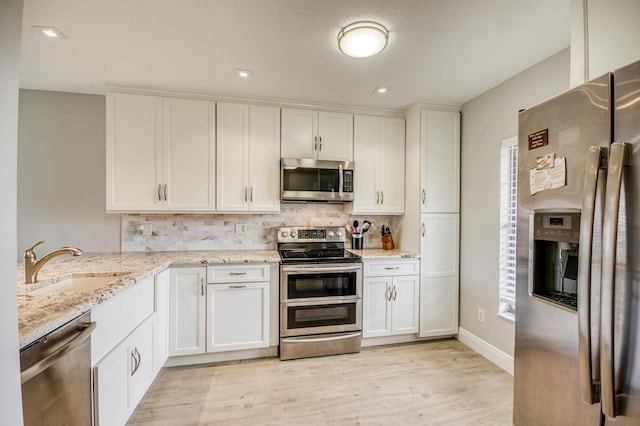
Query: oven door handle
x=322, y=339
x=307, y=269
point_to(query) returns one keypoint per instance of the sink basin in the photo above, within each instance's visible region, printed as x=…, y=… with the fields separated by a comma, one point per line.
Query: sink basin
x=79, y=283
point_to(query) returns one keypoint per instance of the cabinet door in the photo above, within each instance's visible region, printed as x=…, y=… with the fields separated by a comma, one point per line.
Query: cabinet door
x=439, y=254
x=233, y=157
x=405, y=301
x=264, y=159
x=140, y=371
x=237, y=316
x=391, y=168
x=335, y=136
x=299, y=133
x=161, y=332
x=189, y=155
x=110, y=381
x=440, y=162
x=134, y=152
x=376, y=307
x=187, y=316
x=366, y=156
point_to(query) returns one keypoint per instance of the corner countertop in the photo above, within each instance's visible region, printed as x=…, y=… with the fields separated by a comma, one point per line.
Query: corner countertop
x=370, y=254
x=39, y=314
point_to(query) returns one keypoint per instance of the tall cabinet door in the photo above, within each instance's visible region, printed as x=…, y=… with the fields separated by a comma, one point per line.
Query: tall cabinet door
x=233, y=157
x=366, y=154
x=299, y=135
x=335, y=131
x=189, y=154
x=264, y=158
x=439, y=255
x=391, y=168
x=134, y=152
x=188, y=311
x=440, y=162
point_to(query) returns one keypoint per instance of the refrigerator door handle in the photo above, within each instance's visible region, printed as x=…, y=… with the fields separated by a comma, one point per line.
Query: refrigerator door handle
x=585, y=358
x=617, y=160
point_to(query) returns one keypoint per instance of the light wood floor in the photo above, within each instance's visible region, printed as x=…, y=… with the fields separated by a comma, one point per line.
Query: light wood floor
x=433, y=383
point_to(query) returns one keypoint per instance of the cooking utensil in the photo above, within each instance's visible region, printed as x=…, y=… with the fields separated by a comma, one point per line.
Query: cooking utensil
x=365, y=226
x=355, y=225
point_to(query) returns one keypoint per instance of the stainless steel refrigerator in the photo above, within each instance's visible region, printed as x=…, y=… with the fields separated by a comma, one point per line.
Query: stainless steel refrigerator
x=577, y=347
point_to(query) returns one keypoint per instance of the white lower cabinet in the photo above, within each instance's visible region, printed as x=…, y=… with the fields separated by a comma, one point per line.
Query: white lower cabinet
x=187, y=311
x=237, y=316
x=390, y=300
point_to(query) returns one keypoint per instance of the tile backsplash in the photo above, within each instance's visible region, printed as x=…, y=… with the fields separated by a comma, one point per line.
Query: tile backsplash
x=181, y=232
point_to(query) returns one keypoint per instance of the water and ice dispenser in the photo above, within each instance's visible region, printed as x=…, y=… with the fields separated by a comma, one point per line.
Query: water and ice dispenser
x=555, y=257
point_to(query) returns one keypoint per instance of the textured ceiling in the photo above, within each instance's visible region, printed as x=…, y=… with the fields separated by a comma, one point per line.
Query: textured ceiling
x=447, y=51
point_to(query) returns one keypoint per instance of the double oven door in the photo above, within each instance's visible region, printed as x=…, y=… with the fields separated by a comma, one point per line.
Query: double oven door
x=320, y=298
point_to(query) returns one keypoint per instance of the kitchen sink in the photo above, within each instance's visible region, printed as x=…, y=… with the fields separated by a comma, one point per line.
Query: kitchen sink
x=79, y=283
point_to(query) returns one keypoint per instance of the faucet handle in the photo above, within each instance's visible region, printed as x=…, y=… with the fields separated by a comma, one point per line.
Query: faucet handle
x=29, y=252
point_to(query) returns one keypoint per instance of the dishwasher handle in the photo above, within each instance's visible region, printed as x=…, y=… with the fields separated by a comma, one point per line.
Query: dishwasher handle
x=47, y=362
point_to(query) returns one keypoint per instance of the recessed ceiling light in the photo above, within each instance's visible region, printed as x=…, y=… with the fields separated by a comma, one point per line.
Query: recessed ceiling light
x=242, y=73
x=50, y=32
x=363, y=39
x=381, y=90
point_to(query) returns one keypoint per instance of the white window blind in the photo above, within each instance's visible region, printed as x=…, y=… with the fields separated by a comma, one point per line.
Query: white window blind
x=508, y=216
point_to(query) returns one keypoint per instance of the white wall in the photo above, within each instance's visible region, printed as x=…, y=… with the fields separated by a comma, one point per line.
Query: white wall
x=10, y=32
x=61, y=173
x=486, y=120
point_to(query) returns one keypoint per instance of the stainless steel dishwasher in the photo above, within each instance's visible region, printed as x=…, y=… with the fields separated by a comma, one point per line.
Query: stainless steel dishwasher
x=56, y=376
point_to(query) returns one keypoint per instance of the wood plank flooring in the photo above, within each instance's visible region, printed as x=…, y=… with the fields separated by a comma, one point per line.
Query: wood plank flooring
x=432, y=383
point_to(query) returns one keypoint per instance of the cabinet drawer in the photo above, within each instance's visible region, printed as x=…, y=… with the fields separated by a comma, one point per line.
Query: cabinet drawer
x=237, y=273
x=391, y=267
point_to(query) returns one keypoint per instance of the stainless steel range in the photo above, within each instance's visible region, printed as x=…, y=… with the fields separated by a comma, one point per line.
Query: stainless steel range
x=320, y=293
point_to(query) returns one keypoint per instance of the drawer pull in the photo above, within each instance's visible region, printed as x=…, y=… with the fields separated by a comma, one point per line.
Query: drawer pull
x=391, y=267
x=237, y=286
x=237, y=273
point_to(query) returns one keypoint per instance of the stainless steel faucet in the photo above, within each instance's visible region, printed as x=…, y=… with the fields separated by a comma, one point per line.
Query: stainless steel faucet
x=32, y=265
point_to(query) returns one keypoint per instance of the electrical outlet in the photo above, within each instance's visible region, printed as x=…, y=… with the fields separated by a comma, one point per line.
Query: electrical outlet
x=480, y=314
x=241, y=228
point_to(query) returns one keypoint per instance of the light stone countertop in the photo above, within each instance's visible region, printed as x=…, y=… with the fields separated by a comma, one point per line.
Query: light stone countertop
x=370, y=254
x=39, y=314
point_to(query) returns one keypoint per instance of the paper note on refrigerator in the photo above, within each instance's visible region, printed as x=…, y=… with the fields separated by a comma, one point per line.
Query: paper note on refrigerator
x=548, y=178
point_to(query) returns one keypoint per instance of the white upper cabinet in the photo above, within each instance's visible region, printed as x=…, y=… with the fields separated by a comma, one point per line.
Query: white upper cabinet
x=440, y=161
x=160, y=154
x=320, y=135
x=379, y=151
x=248, y=156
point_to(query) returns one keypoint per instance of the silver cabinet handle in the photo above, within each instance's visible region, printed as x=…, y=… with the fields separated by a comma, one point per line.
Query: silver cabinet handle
x=137, y=358
x=391, y=267
x=617, y=161
x=159, y=192
x=387, y=294
x=424, y=230
x=201, y=286
x=424, y=196
x=251, y=194
x=585, y=357
x=381, y=197
x=237, y=286
x=166, y=197
x=315, y=143
x=42, y=365
x=395, y=293
x=245, y=194
x=320, y=138
x=377, y=197
x=237, y=273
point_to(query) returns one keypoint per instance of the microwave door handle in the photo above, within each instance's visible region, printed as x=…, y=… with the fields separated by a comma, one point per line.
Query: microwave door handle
x=617, y=161
x=585, y=357
x=341, y=177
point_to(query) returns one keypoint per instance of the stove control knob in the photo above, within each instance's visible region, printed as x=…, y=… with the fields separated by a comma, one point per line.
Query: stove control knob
x=293, y=234
x=339, y=233
x=284, y=234
x=331, y=234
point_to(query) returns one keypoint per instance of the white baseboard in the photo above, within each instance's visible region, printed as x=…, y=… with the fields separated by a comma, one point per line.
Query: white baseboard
x=490, y=352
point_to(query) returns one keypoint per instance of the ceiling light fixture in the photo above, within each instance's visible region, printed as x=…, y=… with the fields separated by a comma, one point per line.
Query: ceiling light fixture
x=50, y=32
x=381, y=90
x=363, y=39
x=242, y=73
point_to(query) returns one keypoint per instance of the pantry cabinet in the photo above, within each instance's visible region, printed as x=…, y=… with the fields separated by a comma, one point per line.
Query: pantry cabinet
x=187, y=311
x=317, y=135
x=439, y=282
x=160, y=153
x=379, y=150
x=248, y=158
x=390, y=300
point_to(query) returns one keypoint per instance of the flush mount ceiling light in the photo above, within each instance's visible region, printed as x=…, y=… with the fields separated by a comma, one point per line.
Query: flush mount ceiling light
x=363, y=39
x=242, y=73
x=381, y=90
x=50, y=32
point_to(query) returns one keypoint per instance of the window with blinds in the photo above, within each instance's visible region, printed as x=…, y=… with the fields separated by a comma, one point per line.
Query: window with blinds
x=508, y=216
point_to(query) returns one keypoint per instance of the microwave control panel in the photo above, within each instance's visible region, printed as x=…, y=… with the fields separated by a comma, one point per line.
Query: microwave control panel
x=348, y=180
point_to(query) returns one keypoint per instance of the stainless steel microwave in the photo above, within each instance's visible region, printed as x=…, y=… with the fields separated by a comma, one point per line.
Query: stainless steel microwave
x=316, y=180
